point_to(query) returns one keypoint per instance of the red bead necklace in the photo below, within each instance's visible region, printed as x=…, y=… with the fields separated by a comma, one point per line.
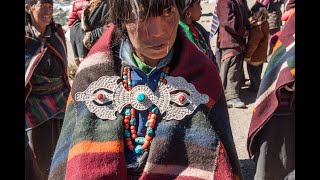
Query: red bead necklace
x=132, y=141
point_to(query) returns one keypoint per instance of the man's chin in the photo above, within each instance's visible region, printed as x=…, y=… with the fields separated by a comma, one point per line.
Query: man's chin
x=158, y=54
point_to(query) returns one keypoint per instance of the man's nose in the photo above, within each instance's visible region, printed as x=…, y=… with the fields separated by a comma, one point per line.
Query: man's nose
x=154, y=27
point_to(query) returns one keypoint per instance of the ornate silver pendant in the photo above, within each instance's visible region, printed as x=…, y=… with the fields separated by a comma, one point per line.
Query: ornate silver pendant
x=106, y=96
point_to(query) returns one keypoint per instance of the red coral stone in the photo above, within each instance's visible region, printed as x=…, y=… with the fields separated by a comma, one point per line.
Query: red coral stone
x=100, y=97
x=181, y=98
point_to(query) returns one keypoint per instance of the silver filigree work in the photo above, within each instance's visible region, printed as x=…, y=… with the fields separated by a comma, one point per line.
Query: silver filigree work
x=194, y=99
x=166, y=98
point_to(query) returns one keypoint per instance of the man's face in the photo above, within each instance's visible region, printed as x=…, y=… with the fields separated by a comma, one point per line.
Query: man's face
x=154, y=36
x=42, y=13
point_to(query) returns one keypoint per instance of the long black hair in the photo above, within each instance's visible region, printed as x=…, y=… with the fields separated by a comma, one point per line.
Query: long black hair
x=188, y=4
x=123, y=11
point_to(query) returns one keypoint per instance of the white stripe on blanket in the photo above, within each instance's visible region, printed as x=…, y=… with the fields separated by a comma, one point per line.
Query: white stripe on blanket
x=94, y=59
x=177, y=170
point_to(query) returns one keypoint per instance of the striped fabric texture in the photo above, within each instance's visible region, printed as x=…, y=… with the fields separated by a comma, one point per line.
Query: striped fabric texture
x=215, y=22
x=198, y=147
x=274, y=15
x=280, y=72
x=40, y=108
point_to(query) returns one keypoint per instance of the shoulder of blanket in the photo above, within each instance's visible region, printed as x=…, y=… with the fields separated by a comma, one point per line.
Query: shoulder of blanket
x=99, y=62
x=204, y=74
x=287, y=36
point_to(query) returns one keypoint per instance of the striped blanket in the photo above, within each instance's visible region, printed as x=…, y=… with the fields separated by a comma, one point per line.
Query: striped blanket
x=39, y=108
x=279, y=73
x=200, y=146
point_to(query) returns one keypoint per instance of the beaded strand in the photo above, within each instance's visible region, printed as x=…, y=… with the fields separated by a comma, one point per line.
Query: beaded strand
x=130, y=132
x=201, y=42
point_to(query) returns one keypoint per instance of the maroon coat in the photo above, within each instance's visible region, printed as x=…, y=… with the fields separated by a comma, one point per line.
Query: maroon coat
x=77, y=9
x=233, y=19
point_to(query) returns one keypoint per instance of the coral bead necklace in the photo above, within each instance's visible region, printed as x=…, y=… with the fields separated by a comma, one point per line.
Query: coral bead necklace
x=132, y=141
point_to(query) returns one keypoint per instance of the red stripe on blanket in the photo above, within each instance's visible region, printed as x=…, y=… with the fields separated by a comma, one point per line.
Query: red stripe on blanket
x=223, y=168
x=156, y=176
x=97, y=166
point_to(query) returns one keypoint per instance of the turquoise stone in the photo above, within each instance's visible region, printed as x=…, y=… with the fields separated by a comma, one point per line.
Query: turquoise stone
x=133, y=121
x=129, y=83
x=140, y=140
x=150, y=132
x=126, y=133
x=141, y=97
x=155, y=110
x=127, y=112
x=125, y=77
x=138, y=149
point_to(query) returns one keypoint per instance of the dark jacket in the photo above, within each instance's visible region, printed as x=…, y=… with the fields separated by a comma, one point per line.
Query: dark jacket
x=87, y=30
x=233, y=19
x=46, y=81
x=77, y=9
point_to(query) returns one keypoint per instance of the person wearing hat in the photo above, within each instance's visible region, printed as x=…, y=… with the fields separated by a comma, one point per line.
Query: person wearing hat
x=46, y=85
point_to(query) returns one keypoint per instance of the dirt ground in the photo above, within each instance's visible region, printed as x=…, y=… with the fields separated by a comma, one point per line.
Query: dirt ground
x=239, y=118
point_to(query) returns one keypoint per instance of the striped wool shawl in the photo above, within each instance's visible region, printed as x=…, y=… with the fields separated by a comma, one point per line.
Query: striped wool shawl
x=40, y=108
x=35, y=49
x=200, y=146
x=279, y=73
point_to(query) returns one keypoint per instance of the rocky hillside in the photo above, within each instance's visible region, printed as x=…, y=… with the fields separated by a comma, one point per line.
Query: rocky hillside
x=61, y=10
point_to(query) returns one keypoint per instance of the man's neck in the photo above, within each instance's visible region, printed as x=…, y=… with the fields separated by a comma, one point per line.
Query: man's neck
x=148, y=61
x=41, y=29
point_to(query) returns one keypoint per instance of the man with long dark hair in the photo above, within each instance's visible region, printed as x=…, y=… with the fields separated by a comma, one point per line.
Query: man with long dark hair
x=146, y=104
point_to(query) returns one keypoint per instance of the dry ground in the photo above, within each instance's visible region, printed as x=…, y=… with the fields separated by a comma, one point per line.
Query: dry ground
x=239, y=118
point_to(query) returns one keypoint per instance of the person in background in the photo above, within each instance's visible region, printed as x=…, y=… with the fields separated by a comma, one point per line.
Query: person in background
x=75, y=14
x=271, y=136
x=274, y=18
x=231, y=44
x=146, y=104
x=257, y=45
x=195, y=31
x=77, y=10
x=75, y=37
x=46, y=84
x=87, y=30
